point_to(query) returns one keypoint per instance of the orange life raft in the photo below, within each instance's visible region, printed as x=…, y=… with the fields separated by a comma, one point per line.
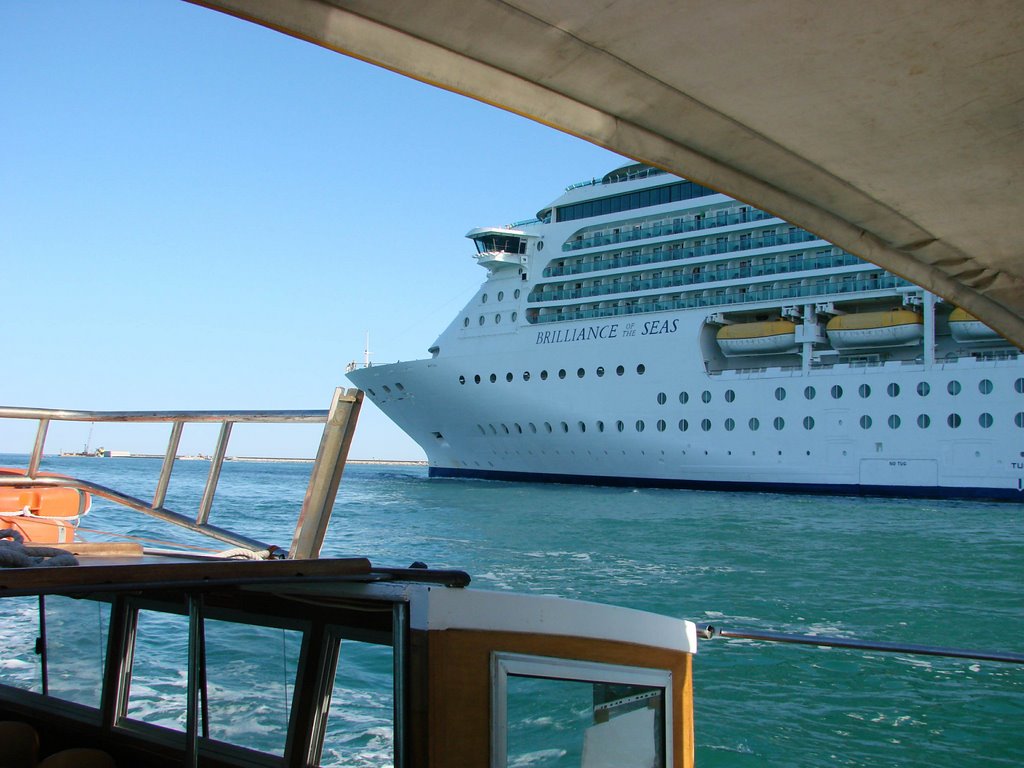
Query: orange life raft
x=42, y=515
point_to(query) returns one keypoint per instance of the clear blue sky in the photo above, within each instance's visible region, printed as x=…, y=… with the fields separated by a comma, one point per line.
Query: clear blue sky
x=198, y=213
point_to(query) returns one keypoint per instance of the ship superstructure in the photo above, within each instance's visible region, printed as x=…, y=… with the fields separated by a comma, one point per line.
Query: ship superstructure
x=646, y=330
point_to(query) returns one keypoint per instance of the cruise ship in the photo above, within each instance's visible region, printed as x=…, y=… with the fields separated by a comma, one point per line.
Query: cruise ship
x=644, y=330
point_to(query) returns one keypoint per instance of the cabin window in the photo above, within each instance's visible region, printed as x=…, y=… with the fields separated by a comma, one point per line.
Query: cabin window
x=754, y=424
x=589, y=713
x=924, y=421
x=683, y=425
x=953, y=420
x=985, y=420
x=661, y=425
x=363, y=693
x=953, y=387
x=684, y=398
x=662, y=398
x=76, y=647
x=809, y=393
x=808, y=422
x=837, y=391
x=894, y=421
x=705, y=424
x=865, y=422
x=705, y=396
x=1018, y=386
x=156, y=692
x=1018, y=419
x=780, y=393
x=864, y=390
x=730, y=395
x=985, y=387
x=893, y=389
x=730, y=425
x=923, y=388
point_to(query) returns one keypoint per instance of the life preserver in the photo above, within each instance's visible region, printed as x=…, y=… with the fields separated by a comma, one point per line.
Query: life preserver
x=57, y=503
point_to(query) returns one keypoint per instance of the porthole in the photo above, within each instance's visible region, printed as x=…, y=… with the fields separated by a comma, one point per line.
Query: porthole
x=893, y=390
x=865, y=422
x=780, y=393
x=836, y=391
x=494, y=378
x=547, y=427
x=600, y=426
x=399, y=387
x=924, y=421
x=515, y=316
x=600, y=371
x=532, y=427
x=1018, y=386
x=387, y=389
x=953, y=420
x=641, y=369
x=518, y=428
x=582, y=426
x=864, y=390
x=493, y=430
x=808, y=422
x=619, y=370
x=481, y=428
x=580, y=373
x=497, y=319
x=462, y=379
x=565, y=427
x=754, y=424
x=705, y=424
x=953, y=387
x=540, y=245
x=465, y=322
x=526, y=375
x=705, y=396
x=1019, y=419
x=482, y=321
x=730, y=396
x=661, y=425
x=483, y=299
x=476, y=378
x=894, y=421
x=516, y=294
x=543, y=375
x=985, y=420
x=561, y=373
x=684, y=397
x=504, y=429
x=639, y=425
x=371, y=392
x=662, y=398
x=509, y=377
x=685, y=425
x=779, y=423
x=501, y=295
x=923, y=388
x=619, y=426
x=730, y=425
x=985, y=387
x=809, y=393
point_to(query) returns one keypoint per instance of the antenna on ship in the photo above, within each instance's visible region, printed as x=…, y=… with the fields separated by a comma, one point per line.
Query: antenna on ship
x=366, y=352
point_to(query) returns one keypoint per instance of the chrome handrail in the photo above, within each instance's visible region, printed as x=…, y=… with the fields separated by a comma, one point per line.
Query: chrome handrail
x=339, y=425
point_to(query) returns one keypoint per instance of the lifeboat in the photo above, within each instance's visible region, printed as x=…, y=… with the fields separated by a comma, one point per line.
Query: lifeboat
x=867, y=330
x=769, y=337
x=966, y=328
x=42, y=515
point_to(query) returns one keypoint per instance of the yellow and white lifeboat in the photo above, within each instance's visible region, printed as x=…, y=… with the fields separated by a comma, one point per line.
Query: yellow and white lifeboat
x=768, y=337
x=966, y=328
x=866, y=330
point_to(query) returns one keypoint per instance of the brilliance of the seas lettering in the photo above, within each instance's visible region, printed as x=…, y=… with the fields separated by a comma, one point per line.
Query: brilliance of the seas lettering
x=589, y=333
x=660, y=326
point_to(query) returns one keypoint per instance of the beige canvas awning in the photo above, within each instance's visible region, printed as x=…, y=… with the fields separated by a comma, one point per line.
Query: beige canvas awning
x=890, y=127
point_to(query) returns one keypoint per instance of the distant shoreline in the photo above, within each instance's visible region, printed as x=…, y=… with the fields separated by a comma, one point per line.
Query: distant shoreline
x=250, y=459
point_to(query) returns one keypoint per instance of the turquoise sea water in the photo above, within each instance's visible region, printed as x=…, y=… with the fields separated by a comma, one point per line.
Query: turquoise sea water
x=924, y=572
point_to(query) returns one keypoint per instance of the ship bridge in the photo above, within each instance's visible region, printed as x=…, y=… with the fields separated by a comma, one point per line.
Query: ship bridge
x=892, y=129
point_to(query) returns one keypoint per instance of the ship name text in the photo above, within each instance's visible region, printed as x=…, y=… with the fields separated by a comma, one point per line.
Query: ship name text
x=607, y=331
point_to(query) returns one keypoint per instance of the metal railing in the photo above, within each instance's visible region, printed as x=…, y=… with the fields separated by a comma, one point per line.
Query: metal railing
x=339, y=425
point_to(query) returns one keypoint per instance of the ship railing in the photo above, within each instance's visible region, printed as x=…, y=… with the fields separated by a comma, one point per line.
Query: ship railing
x=339, y=422
x=675, y=228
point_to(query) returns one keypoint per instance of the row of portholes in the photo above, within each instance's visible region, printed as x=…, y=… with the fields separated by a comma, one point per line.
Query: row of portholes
x=954, y=388
x=385, y=389
x=497, y=319
x=894, y=421
x=501, y=296
x=562, y=373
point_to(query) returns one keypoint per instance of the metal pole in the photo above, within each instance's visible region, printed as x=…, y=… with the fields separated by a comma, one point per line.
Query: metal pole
x=37, y=449
x=165, y=470
x=211, y=481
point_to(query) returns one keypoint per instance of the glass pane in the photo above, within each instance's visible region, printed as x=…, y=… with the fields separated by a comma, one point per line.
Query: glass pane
x=20, y=665
x=159, y=681
x=76, y=647
x=361, y=721
x=250, y=678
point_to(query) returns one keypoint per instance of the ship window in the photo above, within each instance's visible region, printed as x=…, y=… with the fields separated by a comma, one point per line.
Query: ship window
x=515, y=295
x=662, y=398
x=1019, y=419
x=504, y=428
x=565, y=427
x=953, y=420
x=685, y=425
x=754, y=424
x=526, y=375
x=684, y=397
x=482, y=321
x=497, y=319
x=639, y=425
x=481, y=428
x=547, y=427
x=532, y=427
x=923, y=388
x=509, y=377
x=809, y=393
x=518, y=428
x=1018, y=385
x=600, y=426
x=924, y=421
x=779, y=422
x=580, y=373
x=494, y=378
x=864, y=390
x=641, y=369
x=582, y=426
x=985, y=386
x=705, y=396
x=477, y=378
x=893, y=389
x=730, y=425
x=543, y=375
x=729, y=395
x=501, y=295
x=515, y=316
x=387, y=389
x=894, y=421
x=953, y=387
x=808, y=422
x=780, y=393
x=600, y=371
x=561, y=373
x=483, y=299
x=619, y=370
x=462, y=379
x=661, y=425
x=371, y=392
x=865, y=422
x=465, y=322
x=985, y=420
x=493, y=430
x=705, y=424
x=619, y=426
x=837, y=391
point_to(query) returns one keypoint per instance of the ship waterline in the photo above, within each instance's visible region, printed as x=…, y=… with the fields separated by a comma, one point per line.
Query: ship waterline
x=699, y=343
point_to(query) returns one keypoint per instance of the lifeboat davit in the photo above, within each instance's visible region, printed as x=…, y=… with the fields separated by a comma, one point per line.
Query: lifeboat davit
x=768, y=337
x=966, y=328
x=867, y=330
x=42, y=515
